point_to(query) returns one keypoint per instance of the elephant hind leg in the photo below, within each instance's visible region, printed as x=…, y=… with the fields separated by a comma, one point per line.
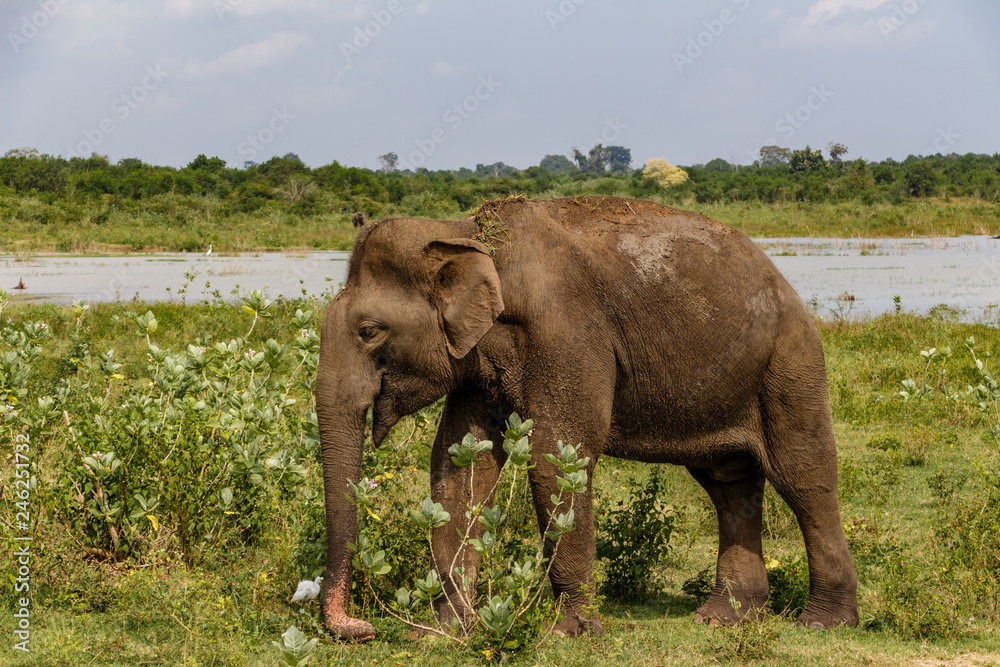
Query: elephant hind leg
x=740, y=574
x=801, y=464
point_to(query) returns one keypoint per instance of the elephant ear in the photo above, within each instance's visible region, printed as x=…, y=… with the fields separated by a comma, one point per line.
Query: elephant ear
x=466, y=291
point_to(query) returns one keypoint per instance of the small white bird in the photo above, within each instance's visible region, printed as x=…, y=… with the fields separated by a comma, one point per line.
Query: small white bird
x=307, y=590
x=209, y=251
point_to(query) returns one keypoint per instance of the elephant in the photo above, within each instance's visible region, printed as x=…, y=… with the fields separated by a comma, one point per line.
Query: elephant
x=640, y=331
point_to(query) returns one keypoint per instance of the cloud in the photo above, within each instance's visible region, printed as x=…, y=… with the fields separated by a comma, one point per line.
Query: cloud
x=249, y=57
x=847, y=24
x=106, y=25
x=824, y=10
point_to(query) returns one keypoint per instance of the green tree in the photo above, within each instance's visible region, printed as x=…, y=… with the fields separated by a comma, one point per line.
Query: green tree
x=210, y=164
x=836, y=151
x=496, y=170
x=806, y=160
x=860, y=175
x=594, y=163
x=25, y=171
x=773, y=156
x=719, y=164
x=920, y=178
x=26, y=151
x=387, y=163
x=557, y=164
x=597, y=162
x=619, y=159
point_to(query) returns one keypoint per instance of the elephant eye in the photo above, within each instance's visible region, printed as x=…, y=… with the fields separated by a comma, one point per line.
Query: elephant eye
x=367, y=332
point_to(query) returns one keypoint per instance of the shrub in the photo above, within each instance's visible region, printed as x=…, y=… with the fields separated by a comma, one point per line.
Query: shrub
x=197, y=451
x=633, y=536
x=788, y=585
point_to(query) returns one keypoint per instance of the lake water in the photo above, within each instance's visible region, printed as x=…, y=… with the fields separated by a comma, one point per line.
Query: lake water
x=962, y=272
x=837, y=277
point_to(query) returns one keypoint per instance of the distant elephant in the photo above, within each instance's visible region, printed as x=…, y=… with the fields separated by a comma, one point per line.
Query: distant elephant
x=641, y=331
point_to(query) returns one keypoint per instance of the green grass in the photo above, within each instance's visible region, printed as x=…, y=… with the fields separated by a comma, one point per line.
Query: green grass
x=654, y=634
x=930, y=217
x=909, y=471
x=171, y=223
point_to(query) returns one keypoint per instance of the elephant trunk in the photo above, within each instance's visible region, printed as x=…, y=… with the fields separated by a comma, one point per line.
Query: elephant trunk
x=341, y=414
x=341, y=462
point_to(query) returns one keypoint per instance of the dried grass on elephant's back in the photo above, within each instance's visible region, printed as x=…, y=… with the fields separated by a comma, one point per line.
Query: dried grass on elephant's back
x=487, y=217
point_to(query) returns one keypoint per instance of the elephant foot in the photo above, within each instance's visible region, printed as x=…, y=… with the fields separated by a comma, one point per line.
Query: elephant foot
x=350, y=629
x=445, y=615
x=828, y=617
x=718, y=611
x=574, y=626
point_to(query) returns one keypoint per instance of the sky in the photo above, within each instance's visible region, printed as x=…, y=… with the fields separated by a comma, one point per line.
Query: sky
x=447, y=84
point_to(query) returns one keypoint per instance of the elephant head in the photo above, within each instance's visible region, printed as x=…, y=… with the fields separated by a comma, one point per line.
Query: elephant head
x=419, y=296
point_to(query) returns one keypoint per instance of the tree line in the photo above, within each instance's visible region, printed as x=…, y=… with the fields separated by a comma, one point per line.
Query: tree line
x=288, y=184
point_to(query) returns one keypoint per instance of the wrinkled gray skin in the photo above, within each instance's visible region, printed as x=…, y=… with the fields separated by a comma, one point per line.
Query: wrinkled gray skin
x=640, y=331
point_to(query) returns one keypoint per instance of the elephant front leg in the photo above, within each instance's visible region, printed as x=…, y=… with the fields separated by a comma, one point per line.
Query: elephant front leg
x=457, y=490
x=571, y=555
x=740, y=573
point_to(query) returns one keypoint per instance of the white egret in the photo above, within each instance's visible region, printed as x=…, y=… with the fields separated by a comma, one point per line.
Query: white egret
x=209, y=251
x=307, y=590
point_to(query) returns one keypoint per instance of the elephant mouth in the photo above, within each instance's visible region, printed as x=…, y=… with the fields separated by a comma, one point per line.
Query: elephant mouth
x=384, y=415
